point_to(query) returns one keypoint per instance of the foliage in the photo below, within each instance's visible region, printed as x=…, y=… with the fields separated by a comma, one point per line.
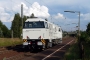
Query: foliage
x=85, y=39
x=4, y=31
x=88, y=29
x=74, y=50
x=17, y=25
x=86, y=51
x=73, y=53
x=85, y=36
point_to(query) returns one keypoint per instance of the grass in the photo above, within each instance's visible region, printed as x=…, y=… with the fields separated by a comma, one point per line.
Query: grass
x=72, y=53
x=4, y=42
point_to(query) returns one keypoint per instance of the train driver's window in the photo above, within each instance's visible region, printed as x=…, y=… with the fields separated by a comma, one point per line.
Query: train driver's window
x=30, y=25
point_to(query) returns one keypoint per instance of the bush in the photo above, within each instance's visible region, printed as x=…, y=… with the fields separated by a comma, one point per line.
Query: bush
x=85, y=38
x=72, y=53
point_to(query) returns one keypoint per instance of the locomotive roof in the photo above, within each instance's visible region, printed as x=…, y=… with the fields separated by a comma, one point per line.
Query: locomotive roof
x=35, y=19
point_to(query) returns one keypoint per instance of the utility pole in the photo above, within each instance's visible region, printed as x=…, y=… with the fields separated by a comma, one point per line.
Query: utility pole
x=0, y=33
x=12, y=33
x=22, y=18
x=79, y=41
x=79, y=24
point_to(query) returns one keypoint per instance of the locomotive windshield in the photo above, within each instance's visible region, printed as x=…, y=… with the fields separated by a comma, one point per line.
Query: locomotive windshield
x=34, y=24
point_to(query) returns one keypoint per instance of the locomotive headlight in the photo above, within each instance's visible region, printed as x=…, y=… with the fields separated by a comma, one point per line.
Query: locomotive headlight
x=39, y=43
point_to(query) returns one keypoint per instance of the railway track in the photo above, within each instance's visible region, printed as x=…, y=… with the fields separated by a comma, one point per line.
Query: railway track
x=17, y=53
x=55, y=53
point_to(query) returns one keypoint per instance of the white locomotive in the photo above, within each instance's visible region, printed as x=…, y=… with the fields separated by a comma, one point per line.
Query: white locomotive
x=38, y=33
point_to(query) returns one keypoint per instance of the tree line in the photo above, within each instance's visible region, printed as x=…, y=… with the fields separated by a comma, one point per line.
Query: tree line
x=16, y=27
x=4, y=31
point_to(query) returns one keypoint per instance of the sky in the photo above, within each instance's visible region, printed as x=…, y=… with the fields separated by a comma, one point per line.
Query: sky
x=53, y=10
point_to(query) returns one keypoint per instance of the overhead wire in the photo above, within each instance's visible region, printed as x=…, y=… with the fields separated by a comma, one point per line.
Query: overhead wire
x=41, y=10
x=50, y=9
x=48, y=6
x=36, y=7
x=44, y=12
x=12, y=5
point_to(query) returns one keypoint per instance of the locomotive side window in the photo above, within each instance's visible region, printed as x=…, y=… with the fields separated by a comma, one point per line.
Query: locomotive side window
x=46, y=25
x=59, y=30
x=49, y=26
x=55, y=29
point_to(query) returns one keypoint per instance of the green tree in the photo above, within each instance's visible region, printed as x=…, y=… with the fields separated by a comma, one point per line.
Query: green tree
x=1, y=28
x=4, y=31
x=16, y=25
x=88, y=29
x=24, y=18
x=1, y=23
